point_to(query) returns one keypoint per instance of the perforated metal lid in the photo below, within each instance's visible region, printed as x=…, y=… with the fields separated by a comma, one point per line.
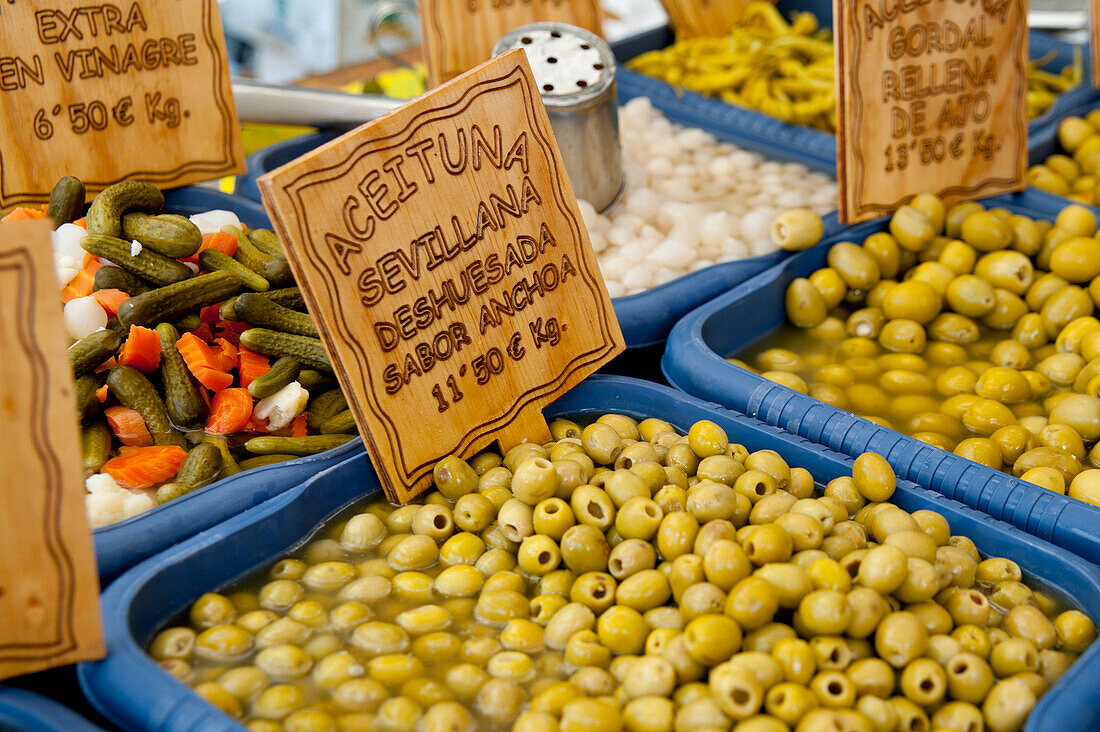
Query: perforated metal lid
x=570, y=64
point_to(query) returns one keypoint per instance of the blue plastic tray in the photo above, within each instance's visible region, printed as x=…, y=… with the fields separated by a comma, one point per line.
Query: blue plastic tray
x=124, y=544
x=783, y=141
x=275, y=156
x=1045, y=143
x=22, y=710
x=148, y=596
x=694, y=361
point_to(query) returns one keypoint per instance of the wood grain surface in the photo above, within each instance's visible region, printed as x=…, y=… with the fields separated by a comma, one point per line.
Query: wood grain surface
x=444, y=258
x=703, y=18
x=460, y=34
x=931, y=97
x=49, y=588
x=113, y=91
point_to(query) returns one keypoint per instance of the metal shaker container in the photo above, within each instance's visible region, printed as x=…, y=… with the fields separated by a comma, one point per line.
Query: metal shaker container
x=575, y=71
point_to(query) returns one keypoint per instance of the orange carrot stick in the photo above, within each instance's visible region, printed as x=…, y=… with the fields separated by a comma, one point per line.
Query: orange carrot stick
x=128, y=426
x=230, y=411
x=141, y=349
x=145, y=467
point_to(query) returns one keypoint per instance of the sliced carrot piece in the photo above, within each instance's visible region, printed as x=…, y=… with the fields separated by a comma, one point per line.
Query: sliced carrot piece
x=128, y=426
x=203, y=362
x=221, y=241
x=230, y=411
x=213, y=379
x=81, y=284
x=256, y=426
x=23, y=214
x=145, y=467
x=106, y=365
x=251, y=365
x=101, y=394
x=141, y=349
x=110, y=299
x=226, y=353
x=296, y=428
x=82, y=222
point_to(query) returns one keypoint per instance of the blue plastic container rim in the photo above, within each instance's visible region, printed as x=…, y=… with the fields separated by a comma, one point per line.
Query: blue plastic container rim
x=150, y=594
x=24, y=710
x=695, y=364
x=123, y=544
x=1045, y=143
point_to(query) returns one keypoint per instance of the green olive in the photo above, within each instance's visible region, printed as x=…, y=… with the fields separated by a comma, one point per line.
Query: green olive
x=986, y=231
x=859, y=270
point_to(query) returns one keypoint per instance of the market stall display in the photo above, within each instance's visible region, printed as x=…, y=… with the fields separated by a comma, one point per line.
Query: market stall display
x=871, y=506
x=693, y=220
x=128, y=540
x=785, y=69
x=696, y=361
x=796, y=142
x=734, y=602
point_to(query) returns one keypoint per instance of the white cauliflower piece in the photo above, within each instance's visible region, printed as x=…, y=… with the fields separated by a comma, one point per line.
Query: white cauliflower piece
x=135, y=248
x=67, y=254
x=211, y=222
x=101, y=483
x=281, y=407
x=105, y=507
x=107, y=502
x=137, y=502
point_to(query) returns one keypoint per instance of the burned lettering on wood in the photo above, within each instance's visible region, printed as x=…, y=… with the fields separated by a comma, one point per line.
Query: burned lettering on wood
x=442, y=252
x=931, y=97
x=460, y=34
x=130, y=89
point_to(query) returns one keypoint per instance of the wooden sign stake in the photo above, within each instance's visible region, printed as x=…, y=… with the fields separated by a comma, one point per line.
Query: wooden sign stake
x=443, y=256
x=460, y=34
x=137, y=89
x=49, y=590
x=931, y=97
x=704, y=18
x=1094, y=40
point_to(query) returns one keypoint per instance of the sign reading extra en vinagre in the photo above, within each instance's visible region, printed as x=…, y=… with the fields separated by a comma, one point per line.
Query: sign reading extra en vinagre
x=107, y=91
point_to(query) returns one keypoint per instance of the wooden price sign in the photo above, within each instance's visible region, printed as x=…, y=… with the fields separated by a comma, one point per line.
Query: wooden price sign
x=460, y=34
x=931, y=97
x=1094, y=39
x=443, y=256
x=108, y=91
x=702, y=18
x=49, y=591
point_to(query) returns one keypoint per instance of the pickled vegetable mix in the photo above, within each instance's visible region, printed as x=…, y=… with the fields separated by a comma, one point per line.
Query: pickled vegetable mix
x=193, y=355
x=625, y=576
